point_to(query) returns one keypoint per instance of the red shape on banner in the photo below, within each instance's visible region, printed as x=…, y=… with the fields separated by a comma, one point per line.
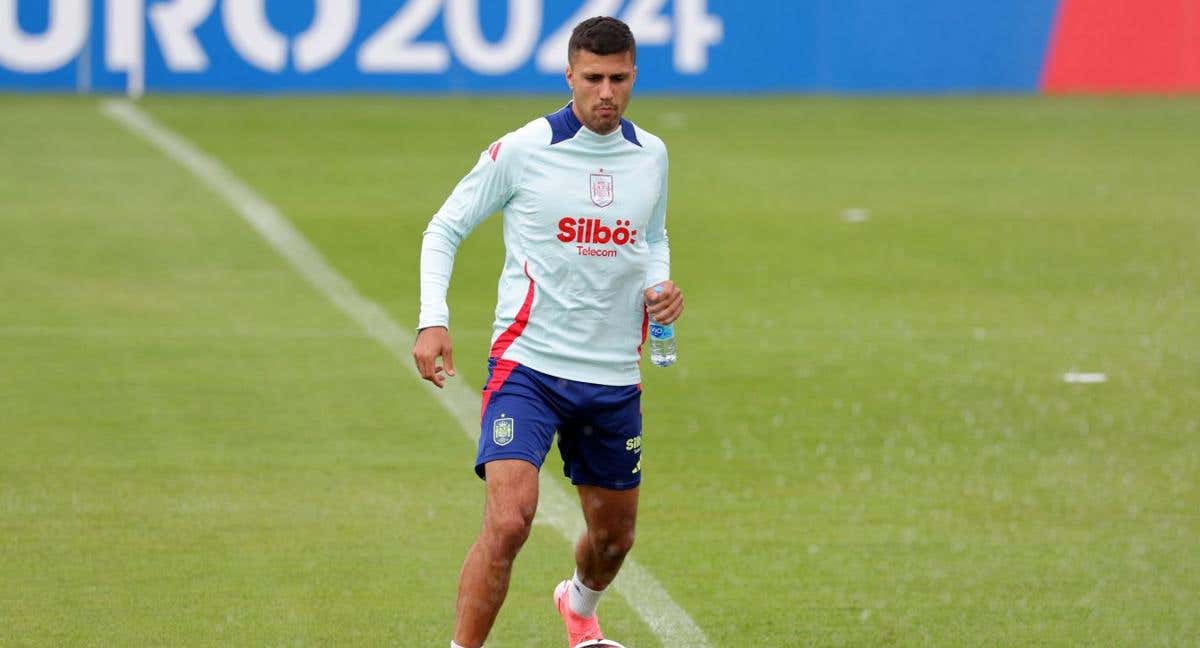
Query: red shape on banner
x=1124, y=46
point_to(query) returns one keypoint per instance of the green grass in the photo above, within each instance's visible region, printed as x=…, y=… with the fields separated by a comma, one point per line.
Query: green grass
x=866, y=441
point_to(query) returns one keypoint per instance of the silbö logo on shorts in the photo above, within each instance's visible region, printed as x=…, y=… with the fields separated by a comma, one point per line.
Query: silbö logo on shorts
x=502, y=431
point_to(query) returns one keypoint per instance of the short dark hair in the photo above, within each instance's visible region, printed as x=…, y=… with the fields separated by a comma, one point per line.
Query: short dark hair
x=602, y=35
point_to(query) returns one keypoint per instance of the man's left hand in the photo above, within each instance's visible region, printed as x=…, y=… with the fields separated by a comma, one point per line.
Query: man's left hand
x=665, y=305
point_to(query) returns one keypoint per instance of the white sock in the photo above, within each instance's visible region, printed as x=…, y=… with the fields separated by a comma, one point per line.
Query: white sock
x=582, y=598
x=454, y=645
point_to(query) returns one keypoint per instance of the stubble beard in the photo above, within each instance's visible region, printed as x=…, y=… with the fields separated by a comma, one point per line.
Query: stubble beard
x=605, y=125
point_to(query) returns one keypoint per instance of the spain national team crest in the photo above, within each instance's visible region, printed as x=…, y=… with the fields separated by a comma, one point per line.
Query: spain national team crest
x=502, y=431
x=601, y=185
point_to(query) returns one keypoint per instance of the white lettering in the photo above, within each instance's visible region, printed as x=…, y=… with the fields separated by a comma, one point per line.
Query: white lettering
x=391, y=48
x=50, y=50
x=174, y=26
x=695, y=31
x=253, y=36
x=328, y=36
x=647, y=22
x=125, y=42
x=552, y=55
x=124, y=35
x=265, y=48
x=688, y=25
x=520, y=35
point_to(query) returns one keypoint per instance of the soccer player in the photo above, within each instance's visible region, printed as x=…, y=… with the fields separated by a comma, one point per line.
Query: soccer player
x=583, y=194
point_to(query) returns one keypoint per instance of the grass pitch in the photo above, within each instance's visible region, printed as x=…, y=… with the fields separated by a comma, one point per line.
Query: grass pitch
x=867, y=440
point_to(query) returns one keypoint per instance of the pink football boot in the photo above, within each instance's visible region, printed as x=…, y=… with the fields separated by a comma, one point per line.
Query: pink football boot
x=582, y=632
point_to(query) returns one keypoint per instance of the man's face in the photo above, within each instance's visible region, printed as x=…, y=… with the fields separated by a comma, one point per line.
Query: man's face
x=600, y=85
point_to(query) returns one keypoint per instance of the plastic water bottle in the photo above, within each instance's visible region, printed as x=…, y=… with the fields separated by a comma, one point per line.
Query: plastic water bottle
x=662, y=341
x=662, y=344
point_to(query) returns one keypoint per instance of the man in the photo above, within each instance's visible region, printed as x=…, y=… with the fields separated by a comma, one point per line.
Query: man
x=584, y=195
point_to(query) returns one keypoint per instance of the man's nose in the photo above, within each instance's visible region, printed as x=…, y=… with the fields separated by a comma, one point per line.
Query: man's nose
x=606, y=91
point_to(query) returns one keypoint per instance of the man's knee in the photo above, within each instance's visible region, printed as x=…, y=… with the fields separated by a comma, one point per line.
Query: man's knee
x=612, y=544
x=508, y=530
x=511, y=504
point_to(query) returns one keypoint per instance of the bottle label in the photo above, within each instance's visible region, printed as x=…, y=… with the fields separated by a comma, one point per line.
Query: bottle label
x=660, y=332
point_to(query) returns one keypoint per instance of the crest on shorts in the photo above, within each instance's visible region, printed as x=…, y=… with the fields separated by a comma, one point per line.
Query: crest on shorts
x=502, y=431
x=601, y=188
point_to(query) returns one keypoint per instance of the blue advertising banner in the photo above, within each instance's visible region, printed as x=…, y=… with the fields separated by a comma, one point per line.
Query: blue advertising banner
x=500, y=46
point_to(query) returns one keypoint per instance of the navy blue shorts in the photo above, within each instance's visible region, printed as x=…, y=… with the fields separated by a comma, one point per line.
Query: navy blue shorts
x=599, y=426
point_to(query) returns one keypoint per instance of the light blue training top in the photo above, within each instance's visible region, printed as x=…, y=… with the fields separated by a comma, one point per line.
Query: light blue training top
x=584, y=236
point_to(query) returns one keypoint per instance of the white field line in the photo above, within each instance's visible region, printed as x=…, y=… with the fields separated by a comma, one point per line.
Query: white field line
x=1084, y=378
x=669, y=622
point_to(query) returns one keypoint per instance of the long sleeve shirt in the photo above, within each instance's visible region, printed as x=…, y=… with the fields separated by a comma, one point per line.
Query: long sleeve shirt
x=584, y=234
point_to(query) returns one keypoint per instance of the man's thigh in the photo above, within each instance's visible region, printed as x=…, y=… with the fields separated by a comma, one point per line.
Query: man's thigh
x=512, y=493
x=609, y=512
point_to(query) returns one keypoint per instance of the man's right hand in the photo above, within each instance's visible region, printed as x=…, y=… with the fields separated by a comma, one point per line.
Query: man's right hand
x=433, y=343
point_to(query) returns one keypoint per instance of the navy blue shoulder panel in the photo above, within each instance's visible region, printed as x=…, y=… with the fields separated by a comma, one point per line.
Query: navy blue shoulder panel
x=563, y=125
x=629, y=132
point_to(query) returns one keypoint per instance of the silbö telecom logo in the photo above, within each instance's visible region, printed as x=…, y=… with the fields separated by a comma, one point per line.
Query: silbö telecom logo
x=586, y=232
